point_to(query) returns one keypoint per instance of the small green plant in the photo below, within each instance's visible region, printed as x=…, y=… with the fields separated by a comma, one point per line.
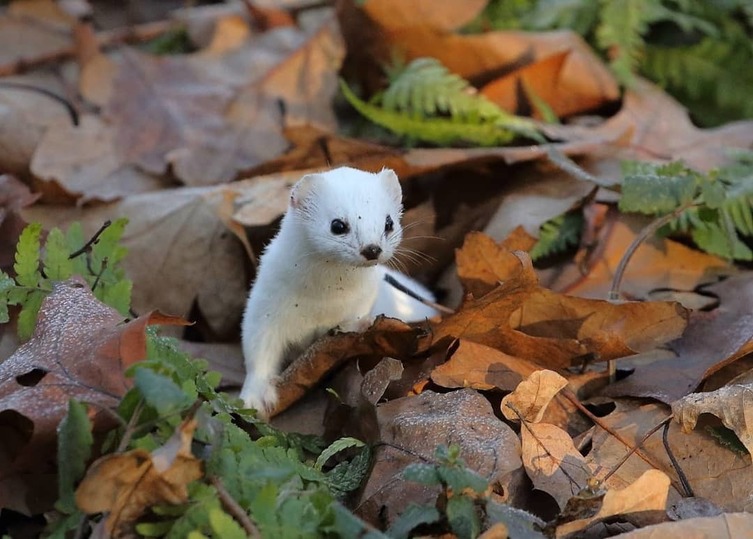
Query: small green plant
x=41, y=263
x=465, y=505
x=558, y=235
x=426, y=102
x=714, y=208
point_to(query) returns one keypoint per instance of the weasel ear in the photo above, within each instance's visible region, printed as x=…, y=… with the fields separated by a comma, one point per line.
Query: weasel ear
x=392, y=185
x=303, y=190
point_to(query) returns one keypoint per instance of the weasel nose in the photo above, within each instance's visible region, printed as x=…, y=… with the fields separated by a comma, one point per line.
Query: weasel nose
x=371, y=252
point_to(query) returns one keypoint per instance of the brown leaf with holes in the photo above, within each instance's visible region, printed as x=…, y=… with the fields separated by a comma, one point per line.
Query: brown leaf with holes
x=124, y=485
x=520, y=318
x=79, y=349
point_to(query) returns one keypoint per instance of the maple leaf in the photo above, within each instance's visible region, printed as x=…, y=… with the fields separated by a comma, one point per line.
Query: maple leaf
x=79, y=350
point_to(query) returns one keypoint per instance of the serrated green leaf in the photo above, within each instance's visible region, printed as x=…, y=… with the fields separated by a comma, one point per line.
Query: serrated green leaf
x=160, y=392
x=347, y=476
x=426, y=474
x=223, y=525
x=413, y=516
x=74, y=238
x=347, y=524
x=27, y=318
x=334, y=448
x=519, y=523
x=459, y=479
x=6, y=285
x=74, y=450
x=117, y=296
x=557, y=235
x=57, y=265
x=655, y=194
x=27, y=256
x=463, y=517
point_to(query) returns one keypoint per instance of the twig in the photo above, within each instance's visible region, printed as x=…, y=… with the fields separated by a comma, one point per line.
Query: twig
x=571, y=167
x=91, y=241
x=683, y=478
x=405, y=290
x=47, y=93
x=234, y=508
x=569, y=395
x=636, y=446
x=130, y=427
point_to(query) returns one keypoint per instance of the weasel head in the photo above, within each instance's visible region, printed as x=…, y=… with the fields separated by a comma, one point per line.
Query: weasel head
x=349, y=216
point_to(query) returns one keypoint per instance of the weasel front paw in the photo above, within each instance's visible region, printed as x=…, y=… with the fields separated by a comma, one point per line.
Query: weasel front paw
x=259, y=394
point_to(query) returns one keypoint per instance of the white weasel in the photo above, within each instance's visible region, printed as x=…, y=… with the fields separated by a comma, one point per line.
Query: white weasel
x=323, y=270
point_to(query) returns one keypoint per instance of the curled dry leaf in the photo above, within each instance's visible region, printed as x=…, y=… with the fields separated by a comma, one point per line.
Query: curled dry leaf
x=481, y=367
x=529, y=400
x=125, y=485
x=648, y=494
x=523, y=319
x=552, y=462
x=733, y=404
x=80, y=349
x=385, y=337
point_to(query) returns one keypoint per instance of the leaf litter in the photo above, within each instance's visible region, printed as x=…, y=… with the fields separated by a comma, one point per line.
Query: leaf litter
x=168, y=133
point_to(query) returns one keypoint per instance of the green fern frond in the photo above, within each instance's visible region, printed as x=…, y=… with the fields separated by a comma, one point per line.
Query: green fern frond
x=427, y=102
x=558, y=235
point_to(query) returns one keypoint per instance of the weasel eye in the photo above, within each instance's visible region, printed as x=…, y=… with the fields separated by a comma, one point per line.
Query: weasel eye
x=339, y=227
x=389, y=226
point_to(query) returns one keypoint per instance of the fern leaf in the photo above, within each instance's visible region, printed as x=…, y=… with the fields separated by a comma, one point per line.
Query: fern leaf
x=6, y=285
x=57, y=265
x=27, y=256
x=443, y=131
x=558, y=235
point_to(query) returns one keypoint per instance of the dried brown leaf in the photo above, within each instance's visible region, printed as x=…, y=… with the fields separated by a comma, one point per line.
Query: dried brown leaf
x=552, y=462
x=727, y=526
x=532, y=396
x=647, y=494
x=733, y=404
x=125, y=485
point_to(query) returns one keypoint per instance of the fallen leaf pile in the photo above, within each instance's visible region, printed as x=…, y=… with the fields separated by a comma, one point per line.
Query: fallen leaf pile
x=199, y=150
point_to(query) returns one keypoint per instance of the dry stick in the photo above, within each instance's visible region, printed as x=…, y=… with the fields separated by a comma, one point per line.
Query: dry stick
x=130, y=427
x=405, y=290
x=648, y=230
x=91, y=241
x=70, y=109
x=683, y=478
x=569, y=395
x=234, y=508
x=633, y=449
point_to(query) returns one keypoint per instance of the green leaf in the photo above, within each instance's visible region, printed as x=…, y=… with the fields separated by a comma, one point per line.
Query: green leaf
x=27, y=256
x=160, y=392
x=6, y=285
x=463, y=517
x=558, y=235
x=334, y=448
x=57, y=265
x=347, y=476
x=413, y=516
x=154, y=529
x=224, y=526
x=426, y=474
x=27, y=318
x=346, y=524
x=459, y=479
x=519, y=523
x=656, y=194
x=74, y=450
x=117, y=296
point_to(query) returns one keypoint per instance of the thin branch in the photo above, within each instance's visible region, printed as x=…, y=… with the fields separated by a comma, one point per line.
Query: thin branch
x=688, y=490
x=405, y=290
x=569, y=395
x=72, y=112
x=234, y=508
x=636, y=446
x=91, y=241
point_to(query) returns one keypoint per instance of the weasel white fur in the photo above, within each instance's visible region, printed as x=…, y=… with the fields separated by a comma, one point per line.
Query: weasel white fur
x=323, y=270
